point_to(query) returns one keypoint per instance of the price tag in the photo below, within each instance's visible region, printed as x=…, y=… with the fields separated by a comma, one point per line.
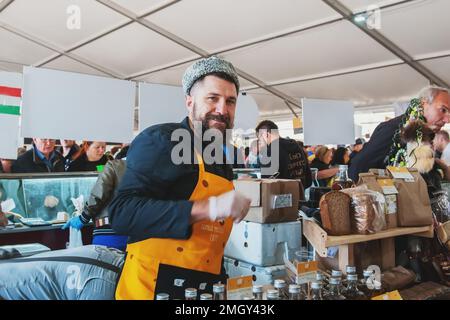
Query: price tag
x=240, y=287
x=388, y=186
x=401, y=173
x=393, y=295
x=307, y=271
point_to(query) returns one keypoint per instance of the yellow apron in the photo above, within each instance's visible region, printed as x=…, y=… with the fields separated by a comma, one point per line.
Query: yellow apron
x=203, y=251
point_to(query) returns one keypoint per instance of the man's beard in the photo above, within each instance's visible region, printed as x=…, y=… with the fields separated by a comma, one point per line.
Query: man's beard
x=210, y=116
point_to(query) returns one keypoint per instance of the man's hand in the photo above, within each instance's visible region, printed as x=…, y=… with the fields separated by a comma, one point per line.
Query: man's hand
x=231, y=204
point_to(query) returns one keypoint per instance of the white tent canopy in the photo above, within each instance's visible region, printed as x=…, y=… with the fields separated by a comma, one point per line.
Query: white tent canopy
x=284, y=49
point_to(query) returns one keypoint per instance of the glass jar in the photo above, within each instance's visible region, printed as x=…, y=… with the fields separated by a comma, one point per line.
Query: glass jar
x=190, y=294
x=280, y=285
x=272, y=294
x=295, y=292
x=206, y=296
x=334, y=290
x=316, y=291
x=219, y=291
x=257, y=292
x=351, y=292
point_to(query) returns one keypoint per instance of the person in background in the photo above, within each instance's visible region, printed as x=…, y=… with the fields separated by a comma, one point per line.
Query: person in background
x=96, y=207
x=357, y=147
x=385, y=147
x=89, y=157
x=6, y=165
x=41, y=158
x=292, y=160
x=322, y=162
x=68, y=149
x=340, y=156
x=441, y=144
x=252, y=159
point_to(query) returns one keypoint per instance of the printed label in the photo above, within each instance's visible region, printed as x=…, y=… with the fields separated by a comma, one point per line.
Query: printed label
x=240, y=287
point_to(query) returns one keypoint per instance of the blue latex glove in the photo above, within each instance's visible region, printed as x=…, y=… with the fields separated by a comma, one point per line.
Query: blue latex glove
x=74, y=222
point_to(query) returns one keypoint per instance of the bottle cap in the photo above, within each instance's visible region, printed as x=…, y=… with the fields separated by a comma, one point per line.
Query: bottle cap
x=319, y=276
x=294, y=288
x=336, y=281
x=218, y=288
x=367, y=273
x=315, y=285
x=257, y=288
x=279, y=283
x=350, y=269
x=162, y=296
x=336, y=273
x=190, y=293
x=343, y=167
x=249, y=298
x=272, y=293
x=352, y=277
x=206, y=296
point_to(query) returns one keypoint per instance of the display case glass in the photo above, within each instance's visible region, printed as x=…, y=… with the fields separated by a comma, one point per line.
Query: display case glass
x=44, y=195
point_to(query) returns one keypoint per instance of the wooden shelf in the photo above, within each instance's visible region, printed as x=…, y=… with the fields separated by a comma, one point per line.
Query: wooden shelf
x=321, y=240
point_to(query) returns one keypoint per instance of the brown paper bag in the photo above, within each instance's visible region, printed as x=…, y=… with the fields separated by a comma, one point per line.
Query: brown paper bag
x=370, y=180
x=414, y=208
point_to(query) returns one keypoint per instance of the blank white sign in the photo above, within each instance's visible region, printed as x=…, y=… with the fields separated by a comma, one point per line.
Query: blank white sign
x=328, y=122
x=162, y=103
x=67, y=105
x=9, y=124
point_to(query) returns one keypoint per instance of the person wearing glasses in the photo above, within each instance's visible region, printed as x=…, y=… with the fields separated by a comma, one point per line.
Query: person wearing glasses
x=41, y=158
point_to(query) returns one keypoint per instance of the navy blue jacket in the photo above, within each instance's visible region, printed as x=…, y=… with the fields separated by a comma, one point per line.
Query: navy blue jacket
x=152, y=198
x=373, y=154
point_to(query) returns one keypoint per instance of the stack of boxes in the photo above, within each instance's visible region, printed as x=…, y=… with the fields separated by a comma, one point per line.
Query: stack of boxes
x=256, y=245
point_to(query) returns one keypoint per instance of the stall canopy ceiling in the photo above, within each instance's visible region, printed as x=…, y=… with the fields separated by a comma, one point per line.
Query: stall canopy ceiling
x=284, y=49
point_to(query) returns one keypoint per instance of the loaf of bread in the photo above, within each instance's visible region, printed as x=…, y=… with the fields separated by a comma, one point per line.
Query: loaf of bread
x=335, y=213
x=366, y=211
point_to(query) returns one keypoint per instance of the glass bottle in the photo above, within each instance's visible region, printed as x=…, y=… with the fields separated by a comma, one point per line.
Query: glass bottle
x=363, y=282
x=219, y=291
x=295, y=292
x=342, y=181
x=190, y=294
x=272, y=294
x=206, y=296
x=280, y=285
x=334, y=291
x=162, y=296
x=257, y=291
x=351, y=292
x=337, y=274
x=316, y=291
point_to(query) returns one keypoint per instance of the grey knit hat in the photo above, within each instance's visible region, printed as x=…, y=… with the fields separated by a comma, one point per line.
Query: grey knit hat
x=207, y=66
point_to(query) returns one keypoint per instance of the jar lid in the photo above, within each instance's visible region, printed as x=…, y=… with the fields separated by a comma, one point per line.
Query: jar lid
x=272, y=293
x=294, y=288
x=335, y=281
x=279, y=283
x=218, y=288
x=206, y=296
x=315, y=285
x=190, y=292
x=257, y=288
x=249, y=298
x=367, y=273
x=162, y=296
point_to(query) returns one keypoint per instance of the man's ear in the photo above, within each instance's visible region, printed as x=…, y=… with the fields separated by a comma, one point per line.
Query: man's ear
x=189, y=103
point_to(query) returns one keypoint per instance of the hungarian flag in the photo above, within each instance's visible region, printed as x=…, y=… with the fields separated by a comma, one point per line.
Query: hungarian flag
x=10, y=100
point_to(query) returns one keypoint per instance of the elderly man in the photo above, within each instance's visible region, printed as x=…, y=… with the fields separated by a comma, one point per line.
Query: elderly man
x=41, y=158
x=385, y=147
x=179, y=214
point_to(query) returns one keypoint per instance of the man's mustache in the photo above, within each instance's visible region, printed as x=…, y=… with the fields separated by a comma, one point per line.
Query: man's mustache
x=219, y=118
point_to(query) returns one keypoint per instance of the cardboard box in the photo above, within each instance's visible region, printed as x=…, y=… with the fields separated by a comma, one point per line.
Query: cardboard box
x=273, y=200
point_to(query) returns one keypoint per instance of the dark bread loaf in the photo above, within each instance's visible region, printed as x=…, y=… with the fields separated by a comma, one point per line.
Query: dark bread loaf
x=335, y=213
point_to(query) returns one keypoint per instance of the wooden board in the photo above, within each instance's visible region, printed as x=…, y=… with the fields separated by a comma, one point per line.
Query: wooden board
x=321, y=240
